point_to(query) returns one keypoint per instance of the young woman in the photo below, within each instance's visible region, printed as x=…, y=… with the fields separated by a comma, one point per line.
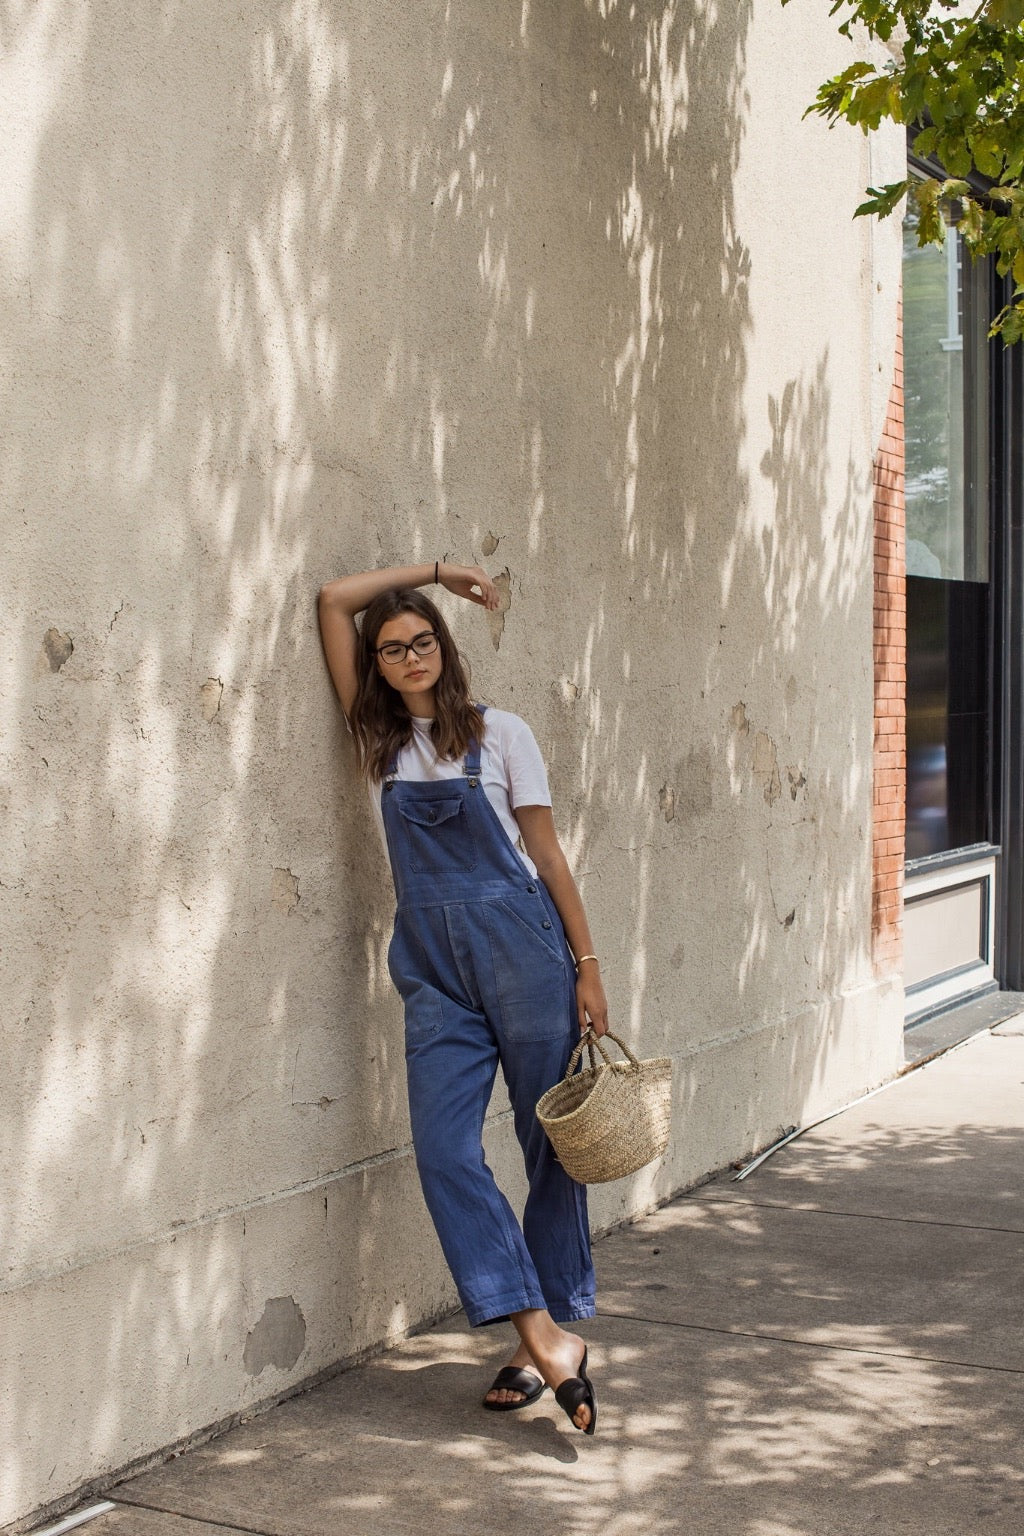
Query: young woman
x=487, y=924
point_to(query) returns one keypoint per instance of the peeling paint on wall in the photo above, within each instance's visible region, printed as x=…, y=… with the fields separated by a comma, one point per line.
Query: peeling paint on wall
x=489, y=544
x=284, y=891
x=766, y=766
x=667, y=802
x=278, y=1338
x=496, y=620
x=740, y=723
x=57, y=649
x=797, y=781
x=210, y=696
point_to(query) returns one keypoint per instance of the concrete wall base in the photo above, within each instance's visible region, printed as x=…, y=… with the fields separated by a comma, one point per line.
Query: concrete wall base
x=298, y=1287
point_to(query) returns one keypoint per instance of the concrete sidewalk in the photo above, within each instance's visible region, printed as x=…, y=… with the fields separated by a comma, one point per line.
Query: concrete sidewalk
x=832, y=1346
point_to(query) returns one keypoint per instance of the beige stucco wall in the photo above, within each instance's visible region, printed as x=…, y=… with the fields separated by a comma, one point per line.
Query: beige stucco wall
x=291, y=289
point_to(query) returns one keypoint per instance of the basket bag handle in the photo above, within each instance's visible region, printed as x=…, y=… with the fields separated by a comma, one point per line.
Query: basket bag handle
x=589, y=1039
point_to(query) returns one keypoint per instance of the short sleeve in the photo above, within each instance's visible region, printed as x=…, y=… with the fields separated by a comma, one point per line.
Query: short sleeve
x=524, y=766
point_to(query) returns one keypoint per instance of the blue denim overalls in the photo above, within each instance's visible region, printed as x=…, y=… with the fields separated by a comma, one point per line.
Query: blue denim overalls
x=481, y=962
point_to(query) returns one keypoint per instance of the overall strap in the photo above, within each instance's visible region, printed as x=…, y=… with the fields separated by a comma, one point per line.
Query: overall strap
x=472, y=761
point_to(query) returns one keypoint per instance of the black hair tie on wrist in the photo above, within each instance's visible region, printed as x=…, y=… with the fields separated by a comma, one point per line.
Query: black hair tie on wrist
x=435, y=572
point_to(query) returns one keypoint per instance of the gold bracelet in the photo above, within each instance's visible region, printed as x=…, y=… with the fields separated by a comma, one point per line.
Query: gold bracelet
x=581, y=959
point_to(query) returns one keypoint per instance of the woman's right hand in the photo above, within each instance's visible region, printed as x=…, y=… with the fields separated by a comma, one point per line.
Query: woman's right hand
x=463, y=580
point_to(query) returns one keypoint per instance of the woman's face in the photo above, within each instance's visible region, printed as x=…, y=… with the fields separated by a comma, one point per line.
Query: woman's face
x=413, y=676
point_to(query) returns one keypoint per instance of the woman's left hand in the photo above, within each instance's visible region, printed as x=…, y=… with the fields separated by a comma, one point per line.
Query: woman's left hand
x=471, y=582
x=591, y=1003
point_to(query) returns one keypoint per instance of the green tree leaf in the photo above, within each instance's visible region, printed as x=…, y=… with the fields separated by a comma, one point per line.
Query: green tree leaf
x=987, y=155
x=883, y=199
x=1005, y=13
x=962, y=67
x=971, y=223
x=924, y=143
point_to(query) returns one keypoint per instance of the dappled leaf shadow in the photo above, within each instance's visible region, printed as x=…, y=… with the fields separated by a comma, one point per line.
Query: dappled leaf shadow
x=760, y=1370
x=317, y=288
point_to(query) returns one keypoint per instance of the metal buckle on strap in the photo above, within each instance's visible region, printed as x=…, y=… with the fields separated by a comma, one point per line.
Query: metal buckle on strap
x=471, y=764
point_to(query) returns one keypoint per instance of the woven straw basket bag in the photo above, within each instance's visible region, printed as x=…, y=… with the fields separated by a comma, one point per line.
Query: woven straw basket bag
x=607, y=1120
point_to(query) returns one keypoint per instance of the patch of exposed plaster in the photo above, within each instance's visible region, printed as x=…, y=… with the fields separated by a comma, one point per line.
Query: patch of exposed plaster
x=278, y=1338
x=490, y=543
x=284, y=891
x=569, y=690
x=738, y=717
x=57, y=649
x=667, y=802
x=797, y=781
x=210, y=695
x=766, y=766
x=496, y=620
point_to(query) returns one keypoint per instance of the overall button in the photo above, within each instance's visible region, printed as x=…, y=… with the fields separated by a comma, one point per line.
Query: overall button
x=531, y=890
x=431, y=815
x=545, y=924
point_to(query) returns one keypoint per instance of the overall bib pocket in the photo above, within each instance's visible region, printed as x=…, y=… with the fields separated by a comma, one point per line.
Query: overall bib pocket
x=436, y=838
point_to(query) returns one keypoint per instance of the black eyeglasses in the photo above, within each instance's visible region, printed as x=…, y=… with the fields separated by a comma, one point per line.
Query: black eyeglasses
x=395, y=651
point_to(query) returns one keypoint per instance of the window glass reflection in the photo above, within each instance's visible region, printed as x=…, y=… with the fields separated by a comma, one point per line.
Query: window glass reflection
x=947, y=715
x=946, y=518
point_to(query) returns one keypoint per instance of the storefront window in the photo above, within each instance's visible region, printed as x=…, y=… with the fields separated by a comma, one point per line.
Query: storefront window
x=945, y=351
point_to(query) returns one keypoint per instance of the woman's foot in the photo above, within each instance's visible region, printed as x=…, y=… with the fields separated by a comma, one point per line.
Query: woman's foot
x=508, y=1397
x=559, y=1357
x=559, y=1360
x=578, y=1400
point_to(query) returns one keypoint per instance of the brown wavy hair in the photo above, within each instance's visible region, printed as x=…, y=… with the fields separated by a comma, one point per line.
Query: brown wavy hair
x=380, y=721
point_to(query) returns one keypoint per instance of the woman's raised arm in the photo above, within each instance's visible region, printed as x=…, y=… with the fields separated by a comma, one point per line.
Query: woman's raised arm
x=342, y=599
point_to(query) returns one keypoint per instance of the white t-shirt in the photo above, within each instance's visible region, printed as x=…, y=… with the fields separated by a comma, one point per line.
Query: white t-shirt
x=512, y=770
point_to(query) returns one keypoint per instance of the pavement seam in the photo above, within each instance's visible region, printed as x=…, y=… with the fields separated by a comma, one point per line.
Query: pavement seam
x=822, y=1210
x=782, y=1338
x=162, y=1509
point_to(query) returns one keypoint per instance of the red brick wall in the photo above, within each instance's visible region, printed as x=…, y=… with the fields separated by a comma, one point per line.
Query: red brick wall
x=890, y=657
